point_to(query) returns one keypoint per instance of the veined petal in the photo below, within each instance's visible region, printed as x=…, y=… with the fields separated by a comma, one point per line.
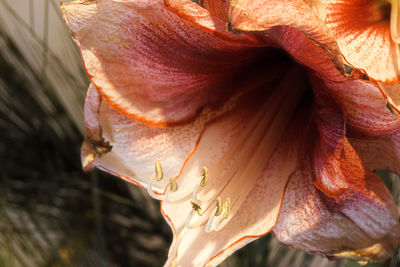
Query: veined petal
x=306, y=222
x=392, y=94
x=250, y=154
x=219, y=9
x=130, y=148
x=347, y=186
x=140, y=56
x=258, y=214
x=248, y=15
x=362, y=31
x=212, y=17
x=306, y=52
x=379, y=153
x=363, y=106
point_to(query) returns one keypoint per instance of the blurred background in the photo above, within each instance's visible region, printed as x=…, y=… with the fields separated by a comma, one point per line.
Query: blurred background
x=51, y=212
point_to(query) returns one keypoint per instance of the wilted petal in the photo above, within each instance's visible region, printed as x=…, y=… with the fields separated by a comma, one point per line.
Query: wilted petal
x=306, y=222
x=250, y=154
x=148, y=63
x=347, y=186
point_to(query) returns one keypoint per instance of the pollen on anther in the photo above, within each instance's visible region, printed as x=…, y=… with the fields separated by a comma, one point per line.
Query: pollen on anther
x=196, y=207
x=227, y=207
x=159, y=171
x=219, y=209
x=204, y=176
x=173, y=185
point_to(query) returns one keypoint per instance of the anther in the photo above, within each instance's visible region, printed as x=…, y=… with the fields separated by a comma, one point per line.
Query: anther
x=173, y=185
x=219, y=209
x=204, y=176
x=159, y=171
x=196, y=207
x=227, y=208
x=203, y=182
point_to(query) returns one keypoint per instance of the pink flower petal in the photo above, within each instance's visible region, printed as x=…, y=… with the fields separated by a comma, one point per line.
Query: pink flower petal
x=264, y=15
x=135, y=147
x=250, y=154
x=306, y=222
x=140, y=56
x=362, y=31
x=363, y=105
x=379, y=153
x=212, y=17
x=346, y=184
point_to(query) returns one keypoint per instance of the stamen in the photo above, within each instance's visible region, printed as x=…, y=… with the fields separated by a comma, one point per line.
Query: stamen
x=151, y=193
x=203, y=182
x=159, y=176
x=204, y=176
x=159, y=171
x=194, y=195
x=227, y=208
x=173, y=185
x=394, y=21
x=217, y=211
x=196, y=207
x=210, y=221
x=189, y=218
x=219, y=207
x=227, y=211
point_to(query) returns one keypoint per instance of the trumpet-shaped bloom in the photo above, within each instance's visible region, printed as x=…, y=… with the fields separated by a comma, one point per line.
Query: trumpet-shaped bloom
x=243, y=117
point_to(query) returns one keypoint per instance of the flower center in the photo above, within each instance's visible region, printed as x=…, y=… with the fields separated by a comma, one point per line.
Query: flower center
x=394, y=21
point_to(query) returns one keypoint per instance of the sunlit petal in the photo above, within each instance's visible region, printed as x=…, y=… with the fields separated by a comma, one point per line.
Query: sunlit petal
x=255, y=196
x=134, y=148
x=149, y=64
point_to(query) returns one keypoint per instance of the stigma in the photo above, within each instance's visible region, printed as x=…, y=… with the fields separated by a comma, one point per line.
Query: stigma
x=394, y=21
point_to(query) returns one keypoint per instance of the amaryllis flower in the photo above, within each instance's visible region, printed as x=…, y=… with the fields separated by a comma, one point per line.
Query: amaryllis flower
x=243, y=117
